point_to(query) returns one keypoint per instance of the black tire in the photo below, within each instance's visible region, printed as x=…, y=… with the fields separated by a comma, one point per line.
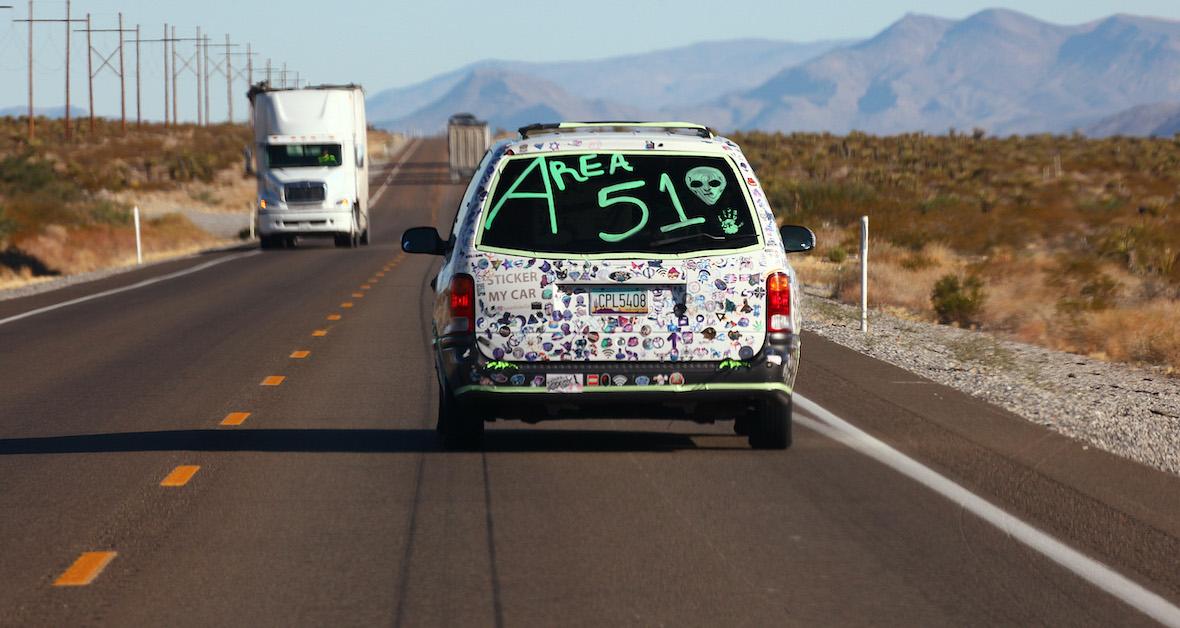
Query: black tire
x=461, y=427
x=365, y=237
x=344, y=240
x=770, y=425
x=268, y=242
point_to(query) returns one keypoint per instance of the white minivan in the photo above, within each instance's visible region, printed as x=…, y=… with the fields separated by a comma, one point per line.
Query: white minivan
x=617, y=269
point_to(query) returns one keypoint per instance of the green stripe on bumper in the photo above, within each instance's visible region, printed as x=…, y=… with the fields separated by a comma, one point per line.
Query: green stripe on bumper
x=684, y=388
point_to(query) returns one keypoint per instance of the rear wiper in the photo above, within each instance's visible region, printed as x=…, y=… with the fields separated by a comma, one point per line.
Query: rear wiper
x=694, y=236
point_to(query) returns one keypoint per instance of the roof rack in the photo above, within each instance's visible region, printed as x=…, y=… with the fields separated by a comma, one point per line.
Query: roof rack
x=671, y=127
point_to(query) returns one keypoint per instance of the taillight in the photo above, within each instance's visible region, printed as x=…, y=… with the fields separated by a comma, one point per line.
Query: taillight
x=462, y=298
x=778, y=302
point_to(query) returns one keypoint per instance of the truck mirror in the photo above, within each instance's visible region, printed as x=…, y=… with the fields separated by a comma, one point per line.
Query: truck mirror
x=797, y=239
x=360, y=155
x=423, y=240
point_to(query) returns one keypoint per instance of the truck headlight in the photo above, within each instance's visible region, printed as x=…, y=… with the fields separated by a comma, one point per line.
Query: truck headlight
x=344, y=202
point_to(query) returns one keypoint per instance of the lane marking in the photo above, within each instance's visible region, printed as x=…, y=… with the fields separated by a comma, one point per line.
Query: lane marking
x=299, y=355
x=1090, y=570
x=358, y=295
x=136, y=286
x=381, y=274
x=84, y=570
x=410, y=148
x=334, y=317
x=366, y=287
x=346, y=304
x=319, y=333
x=235, y=418
x=273, y=380
x=180, y=475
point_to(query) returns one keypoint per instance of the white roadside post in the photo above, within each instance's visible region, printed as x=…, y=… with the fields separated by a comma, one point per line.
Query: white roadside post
x=864, y=274
x=253, y=217
x=138, y=238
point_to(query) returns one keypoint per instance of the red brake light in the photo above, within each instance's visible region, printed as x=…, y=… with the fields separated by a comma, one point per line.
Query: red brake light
x=462, y=297
x=778, y=302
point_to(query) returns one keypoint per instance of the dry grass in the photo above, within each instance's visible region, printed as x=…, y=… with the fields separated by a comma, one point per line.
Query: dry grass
x=1076, y=241
x=65, y=206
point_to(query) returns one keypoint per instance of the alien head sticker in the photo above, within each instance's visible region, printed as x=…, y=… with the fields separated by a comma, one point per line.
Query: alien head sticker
x=706, y=182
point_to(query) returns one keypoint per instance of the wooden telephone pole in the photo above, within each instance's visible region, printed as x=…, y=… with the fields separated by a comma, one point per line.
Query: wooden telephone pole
x=31, y=20
x=106, y=63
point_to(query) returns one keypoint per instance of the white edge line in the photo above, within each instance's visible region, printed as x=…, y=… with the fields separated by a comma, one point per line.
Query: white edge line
x=1088, y=569
x=142, y=284
x=410, y=148
x=49, y=308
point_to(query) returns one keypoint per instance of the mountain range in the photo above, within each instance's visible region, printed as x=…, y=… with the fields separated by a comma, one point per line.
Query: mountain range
x=999, y=70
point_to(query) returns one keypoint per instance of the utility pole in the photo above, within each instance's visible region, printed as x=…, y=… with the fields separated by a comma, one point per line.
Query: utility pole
x=106, y=63
x=166, y=40
x=138, y=93
x=225, y=68
x=177, y=68
x=31, y=20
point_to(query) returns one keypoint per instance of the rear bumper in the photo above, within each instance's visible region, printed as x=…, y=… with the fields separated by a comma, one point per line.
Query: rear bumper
x=303, y=222
x=539, y=390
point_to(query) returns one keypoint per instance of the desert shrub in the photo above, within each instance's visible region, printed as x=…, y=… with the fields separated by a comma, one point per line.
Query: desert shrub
x=958, y=301
x=837, y=255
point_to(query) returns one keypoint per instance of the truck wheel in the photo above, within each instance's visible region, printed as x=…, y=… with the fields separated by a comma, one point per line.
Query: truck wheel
x=769, y=426
x=268, y=242
x=343, y=240
x=365, y=237
x=461, y=427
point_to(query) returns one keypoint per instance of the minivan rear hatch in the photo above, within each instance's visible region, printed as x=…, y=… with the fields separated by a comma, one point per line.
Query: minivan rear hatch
x=619, y=256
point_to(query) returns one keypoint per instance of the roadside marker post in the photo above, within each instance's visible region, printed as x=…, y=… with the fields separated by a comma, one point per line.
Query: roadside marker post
x=138, y=238
x=864, y=274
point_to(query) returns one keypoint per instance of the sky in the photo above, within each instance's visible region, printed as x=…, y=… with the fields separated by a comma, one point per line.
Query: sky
x=383, y=43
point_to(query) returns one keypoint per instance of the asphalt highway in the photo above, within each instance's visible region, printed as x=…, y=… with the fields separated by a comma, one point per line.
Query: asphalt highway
x=246, y=438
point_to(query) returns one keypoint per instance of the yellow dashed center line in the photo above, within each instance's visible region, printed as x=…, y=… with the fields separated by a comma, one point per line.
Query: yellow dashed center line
x=366, y=287
x=358, y=295
x=299, y=355
x=273, y=380
x=319, y=333
x=334, y=317
x=180, y=475
x=346, y=304
x=84, y=570
x=235, y=418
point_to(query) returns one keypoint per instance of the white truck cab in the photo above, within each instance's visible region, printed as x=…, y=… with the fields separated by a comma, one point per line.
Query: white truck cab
x=311, y=162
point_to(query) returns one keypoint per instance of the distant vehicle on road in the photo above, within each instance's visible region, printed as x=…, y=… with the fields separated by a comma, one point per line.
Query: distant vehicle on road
x=467, y=141
x=310, y=149
x=616, y=269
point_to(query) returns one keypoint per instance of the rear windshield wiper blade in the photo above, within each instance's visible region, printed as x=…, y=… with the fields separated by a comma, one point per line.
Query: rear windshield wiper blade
x=695, y=236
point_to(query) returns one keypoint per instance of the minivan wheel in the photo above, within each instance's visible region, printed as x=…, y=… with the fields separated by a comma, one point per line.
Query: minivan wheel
x=769, y=426
x=461, y=427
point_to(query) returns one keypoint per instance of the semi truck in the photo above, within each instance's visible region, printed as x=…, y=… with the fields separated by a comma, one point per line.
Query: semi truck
x=311, y=161
x=467, y=140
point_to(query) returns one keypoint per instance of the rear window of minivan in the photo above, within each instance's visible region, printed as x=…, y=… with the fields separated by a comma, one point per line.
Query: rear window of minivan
x=617, y=202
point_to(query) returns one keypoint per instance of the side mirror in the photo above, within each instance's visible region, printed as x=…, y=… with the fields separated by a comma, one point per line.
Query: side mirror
x=797, y=239
x=423, y=240
x=360, y=156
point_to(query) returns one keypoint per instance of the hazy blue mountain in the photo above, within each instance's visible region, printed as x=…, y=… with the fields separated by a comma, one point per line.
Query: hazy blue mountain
x=48, y=112
x=508, y=100
x=643, y=82
x=1156, y=119
x=998, y=69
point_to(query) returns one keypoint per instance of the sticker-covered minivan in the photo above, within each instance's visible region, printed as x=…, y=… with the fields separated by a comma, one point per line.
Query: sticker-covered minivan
x=617, y=269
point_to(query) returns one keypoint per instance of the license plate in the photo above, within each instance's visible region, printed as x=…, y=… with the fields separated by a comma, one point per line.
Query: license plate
x=618, y=300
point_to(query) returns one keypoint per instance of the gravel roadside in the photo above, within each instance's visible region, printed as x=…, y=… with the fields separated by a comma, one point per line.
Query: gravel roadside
x=1130, y=411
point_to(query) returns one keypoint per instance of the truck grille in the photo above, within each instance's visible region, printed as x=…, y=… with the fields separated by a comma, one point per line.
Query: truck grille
x=304, y=192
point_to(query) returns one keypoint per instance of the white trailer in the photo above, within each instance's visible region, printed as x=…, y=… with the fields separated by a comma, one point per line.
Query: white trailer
x=467, y=141
x=312, y=164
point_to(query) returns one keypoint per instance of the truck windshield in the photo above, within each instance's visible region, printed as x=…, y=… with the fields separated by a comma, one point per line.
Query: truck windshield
x=303, y=155
x=597, y=203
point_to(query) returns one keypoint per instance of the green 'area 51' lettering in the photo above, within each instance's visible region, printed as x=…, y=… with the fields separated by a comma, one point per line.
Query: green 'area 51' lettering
x=558, y=173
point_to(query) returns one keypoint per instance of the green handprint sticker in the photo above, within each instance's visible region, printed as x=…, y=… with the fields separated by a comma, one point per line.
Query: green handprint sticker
x=729, y=221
